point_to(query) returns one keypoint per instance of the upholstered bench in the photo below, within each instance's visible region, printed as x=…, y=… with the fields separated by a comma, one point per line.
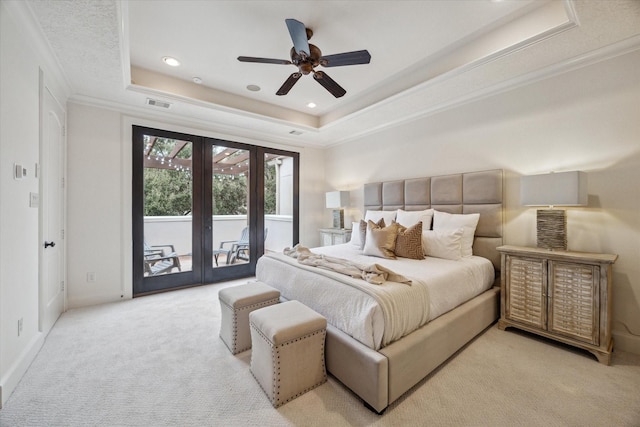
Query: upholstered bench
x=236, y=303
x=287, y=357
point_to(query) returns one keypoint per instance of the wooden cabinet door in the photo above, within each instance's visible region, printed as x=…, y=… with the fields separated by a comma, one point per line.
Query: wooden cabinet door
x=526, y=297
x=574, y=301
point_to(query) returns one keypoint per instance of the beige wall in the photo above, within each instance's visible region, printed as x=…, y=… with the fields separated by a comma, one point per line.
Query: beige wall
x=587, y=120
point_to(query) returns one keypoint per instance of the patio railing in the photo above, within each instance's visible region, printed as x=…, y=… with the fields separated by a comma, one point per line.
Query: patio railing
x=176, y=230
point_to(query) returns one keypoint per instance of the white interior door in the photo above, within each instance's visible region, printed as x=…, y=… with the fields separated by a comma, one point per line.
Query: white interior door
x=51, y=212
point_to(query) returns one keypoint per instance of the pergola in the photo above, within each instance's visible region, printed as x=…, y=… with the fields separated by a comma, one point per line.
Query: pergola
x=226, y=161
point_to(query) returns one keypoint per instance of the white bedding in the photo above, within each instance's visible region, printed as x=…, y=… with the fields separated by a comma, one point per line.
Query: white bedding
x=377, y=315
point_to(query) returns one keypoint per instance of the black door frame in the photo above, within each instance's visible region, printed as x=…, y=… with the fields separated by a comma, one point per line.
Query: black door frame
x=202, y=220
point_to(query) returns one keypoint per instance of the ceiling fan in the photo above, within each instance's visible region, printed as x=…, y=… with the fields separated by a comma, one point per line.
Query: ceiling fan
x=307, y=56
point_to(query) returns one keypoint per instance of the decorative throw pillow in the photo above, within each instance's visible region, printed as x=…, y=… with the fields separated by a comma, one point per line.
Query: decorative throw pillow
x=409, y=218
x=409, y=241
x=468, y=222
x=381, y=241
x=443, y=244
x=356, y=240
x=362, y=230
x=375, y=216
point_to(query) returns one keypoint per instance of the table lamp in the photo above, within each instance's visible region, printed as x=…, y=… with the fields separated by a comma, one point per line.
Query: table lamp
x=337, y=200
x=553, y=189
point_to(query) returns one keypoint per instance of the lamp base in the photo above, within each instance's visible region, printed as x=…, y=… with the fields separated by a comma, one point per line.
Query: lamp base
x=552, y=229
x=338, y=218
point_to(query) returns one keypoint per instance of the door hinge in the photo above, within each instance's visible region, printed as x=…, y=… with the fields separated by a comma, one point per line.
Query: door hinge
x=62, y=233
x=64, y=130
x=62, y=182
x=62, y=286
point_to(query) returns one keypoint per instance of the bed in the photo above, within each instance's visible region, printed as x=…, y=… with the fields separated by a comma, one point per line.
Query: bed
x=381, y=366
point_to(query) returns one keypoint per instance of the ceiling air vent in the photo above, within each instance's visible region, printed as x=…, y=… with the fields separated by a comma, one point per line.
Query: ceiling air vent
x=156, y=103
x=295, y=132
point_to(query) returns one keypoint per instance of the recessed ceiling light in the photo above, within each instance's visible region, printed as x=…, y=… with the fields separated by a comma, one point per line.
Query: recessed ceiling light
x=197, y=80
x=171, y=61
x=253, y=88
x=311, y=105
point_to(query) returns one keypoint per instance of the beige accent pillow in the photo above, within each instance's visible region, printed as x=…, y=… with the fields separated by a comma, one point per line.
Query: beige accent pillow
x=409, y=241
x=443, y=244
x=381, y=241
x=363, y=230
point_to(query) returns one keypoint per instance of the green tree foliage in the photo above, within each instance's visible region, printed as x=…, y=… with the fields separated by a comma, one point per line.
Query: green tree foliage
x=229, y=195
x=167, y=192
x=270, y=189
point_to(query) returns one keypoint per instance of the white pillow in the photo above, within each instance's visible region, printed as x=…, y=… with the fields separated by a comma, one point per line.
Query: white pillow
x=468, y=222
x=411, y=218
x=388, y=216
x=443, y=244
x=355, y=234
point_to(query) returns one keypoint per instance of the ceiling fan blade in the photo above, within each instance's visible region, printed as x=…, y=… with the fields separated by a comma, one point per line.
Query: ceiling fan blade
x=264, y=60
x=298, y=33
x=288, y=84
x=347, y=58
x=329, y=84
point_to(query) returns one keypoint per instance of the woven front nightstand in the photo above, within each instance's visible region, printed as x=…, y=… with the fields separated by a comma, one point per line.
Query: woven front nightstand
x=562, y=295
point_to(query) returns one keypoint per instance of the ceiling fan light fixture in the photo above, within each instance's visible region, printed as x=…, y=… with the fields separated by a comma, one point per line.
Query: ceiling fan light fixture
x=169, y=60
x=253, y=88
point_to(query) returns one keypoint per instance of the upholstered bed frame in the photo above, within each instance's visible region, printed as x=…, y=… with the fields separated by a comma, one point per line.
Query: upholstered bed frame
x=381, y=377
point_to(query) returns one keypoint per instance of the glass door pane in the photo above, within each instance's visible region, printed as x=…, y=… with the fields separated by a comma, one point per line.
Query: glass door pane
x=278, y=201
x=168, y=205
x=230, y=233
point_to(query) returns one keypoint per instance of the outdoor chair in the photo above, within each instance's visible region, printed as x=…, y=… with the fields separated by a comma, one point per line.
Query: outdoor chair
x=242, y=251
x=157, y=261
x=230, y=247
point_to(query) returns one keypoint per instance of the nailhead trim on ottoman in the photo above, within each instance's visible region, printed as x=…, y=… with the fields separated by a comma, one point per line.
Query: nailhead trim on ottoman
x=236, y=303
x=287, y=358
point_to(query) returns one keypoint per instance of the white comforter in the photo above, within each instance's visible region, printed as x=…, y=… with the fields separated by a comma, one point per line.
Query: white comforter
x=377, y=315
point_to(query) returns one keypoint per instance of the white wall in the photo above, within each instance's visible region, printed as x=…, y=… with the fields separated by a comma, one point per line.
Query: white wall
x=587, y=120
x=21, y=61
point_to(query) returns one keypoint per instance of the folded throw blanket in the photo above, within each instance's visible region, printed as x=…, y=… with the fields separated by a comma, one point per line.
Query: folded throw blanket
x=374, y=273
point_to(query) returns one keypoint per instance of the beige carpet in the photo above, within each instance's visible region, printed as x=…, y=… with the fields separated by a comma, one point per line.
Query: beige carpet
x=158, y=361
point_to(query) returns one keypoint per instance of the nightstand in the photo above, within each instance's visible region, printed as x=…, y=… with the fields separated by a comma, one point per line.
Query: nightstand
x=334, y=236
x=561, y=295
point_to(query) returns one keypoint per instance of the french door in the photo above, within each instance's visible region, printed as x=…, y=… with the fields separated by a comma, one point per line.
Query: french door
x=205, y=209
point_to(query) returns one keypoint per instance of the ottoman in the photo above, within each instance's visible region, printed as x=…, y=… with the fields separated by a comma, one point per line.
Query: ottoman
x=287, y=358
x=236, y=303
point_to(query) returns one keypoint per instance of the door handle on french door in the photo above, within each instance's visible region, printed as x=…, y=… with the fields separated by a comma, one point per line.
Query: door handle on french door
x=47, y=244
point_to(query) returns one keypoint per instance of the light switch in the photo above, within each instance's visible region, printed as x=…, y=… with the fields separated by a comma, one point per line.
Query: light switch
x=34, y=200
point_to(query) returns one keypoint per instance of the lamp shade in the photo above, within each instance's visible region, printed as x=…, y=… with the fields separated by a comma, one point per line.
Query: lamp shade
x=336, y=199
x=554, y=189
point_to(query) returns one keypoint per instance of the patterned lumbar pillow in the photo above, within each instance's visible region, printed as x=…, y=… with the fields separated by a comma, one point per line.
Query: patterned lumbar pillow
x=409, y=242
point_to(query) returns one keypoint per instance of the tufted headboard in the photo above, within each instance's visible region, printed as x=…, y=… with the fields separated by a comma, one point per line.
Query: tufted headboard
x=463, y=193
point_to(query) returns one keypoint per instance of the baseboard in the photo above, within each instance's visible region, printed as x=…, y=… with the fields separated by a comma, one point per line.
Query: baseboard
x=624, y=341
x=13, y=376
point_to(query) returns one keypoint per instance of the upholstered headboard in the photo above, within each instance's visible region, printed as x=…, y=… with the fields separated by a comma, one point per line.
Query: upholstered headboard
x=464, y=193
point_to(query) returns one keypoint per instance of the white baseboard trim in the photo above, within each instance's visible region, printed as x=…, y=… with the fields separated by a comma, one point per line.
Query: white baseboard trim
x=624, y=341
x=13, y=376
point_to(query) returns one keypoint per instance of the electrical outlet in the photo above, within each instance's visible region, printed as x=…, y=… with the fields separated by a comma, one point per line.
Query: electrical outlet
x=91, y=276
x=19, y=326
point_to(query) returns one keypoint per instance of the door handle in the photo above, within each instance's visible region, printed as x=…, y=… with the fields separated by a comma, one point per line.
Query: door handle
x=47, y=244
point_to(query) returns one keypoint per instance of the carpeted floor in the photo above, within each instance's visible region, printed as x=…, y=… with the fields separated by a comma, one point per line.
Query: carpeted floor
x=158, y=361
